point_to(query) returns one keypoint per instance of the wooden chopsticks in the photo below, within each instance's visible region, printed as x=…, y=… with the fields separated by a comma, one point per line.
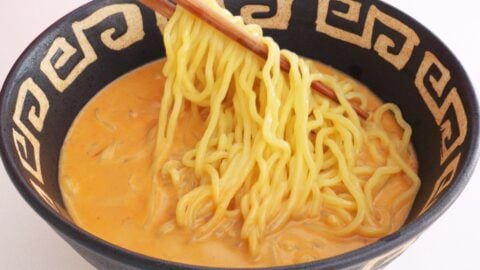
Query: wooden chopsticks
x=163, y=7
x=224, y=25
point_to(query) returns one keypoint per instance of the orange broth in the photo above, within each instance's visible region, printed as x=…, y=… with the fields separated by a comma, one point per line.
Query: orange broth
x=105, y=182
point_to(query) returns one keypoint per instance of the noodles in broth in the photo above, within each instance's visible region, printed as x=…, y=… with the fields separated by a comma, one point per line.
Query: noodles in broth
x=272, y=150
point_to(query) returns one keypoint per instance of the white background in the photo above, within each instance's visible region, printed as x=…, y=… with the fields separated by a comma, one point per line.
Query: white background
x=27, y=242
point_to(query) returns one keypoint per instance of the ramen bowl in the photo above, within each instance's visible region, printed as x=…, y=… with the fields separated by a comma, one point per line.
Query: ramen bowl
x=391, y=53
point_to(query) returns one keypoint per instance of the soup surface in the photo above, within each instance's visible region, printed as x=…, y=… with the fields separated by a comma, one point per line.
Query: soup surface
x=105, y=172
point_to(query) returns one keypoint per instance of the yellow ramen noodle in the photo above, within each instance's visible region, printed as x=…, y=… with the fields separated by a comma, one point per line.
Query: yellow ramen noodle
x=105, y=182
x=223, y=160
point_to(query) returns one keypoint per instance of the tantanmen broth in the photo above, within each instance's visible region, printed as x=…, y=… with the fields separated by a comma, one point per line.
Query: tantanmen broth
x=105, y=178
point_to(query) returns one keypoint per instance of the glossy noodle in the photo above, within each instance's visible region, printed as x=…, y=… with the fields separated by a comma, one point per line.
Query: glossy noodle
x=271, y=149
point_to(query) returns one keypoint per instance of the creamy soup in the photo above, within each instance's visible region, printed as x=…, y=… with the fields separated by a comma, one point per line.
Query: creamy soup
x=105, y=173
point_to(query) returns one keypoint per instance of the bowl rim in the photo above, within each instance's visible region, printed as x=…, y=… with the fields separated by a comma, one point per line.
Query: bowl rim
x=410, y=231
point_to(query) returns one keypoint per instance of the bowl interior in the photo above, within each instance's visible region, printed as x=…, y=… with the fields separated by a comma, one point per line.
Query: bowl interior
x=397, y=58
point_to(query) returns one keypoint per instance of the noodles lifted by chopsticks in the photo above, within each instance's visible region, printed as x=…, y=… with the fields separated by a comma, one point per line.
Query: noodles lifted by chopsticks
x=272, y=150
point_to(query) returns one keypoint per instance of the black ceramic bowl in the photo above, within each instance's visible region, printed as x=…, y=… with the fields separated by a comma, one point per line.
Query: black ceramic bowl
x=373, y=42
